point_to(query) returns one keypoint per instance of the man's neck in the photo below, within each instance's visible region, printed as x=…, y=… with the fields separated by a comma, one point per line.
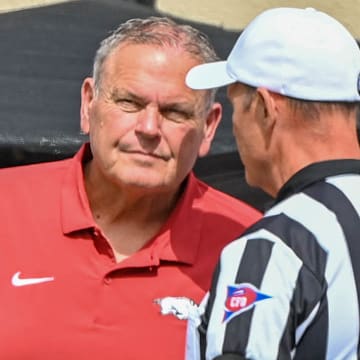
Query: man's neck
x=128, y=216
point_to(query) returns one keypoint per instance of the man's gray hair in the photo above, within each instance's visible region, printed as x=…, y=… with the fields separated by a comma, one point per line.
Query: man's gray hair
x=160, y=31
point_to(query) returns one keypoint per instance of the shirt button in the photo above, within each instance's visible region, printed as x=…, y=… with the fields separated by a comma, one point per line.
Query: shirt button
x=107, y=280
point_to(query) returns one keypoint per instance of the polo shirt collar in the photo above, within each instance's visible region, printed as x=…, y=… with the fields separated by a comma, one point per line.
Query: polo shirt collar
x=317, y=172
x=178, y=240
x=75, y=209
x=180, y=236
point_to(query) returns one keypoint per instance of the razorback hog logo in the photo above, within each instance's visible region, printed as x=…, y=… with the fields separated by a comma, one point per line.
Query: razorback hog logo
x=181, y=307
x=240, y=298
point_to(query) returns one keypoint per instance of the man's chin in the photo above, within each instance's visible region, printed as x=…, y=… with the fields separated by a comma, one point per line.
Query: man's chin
x=145, y=182
x=250, y=179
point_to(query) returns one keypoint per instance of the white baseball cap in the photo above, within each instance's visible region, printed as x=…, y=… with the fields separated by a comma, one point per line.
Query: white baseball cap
x=300, y=53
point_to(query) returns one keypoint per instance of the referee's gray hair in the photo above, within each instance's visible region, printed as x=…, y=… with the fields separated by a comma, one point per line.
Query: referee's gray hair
x=160, y=31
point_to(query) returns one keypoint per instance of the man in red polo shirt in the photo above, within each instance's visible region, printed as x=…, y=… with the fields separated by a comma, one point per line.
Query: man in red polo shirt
x=98, y=252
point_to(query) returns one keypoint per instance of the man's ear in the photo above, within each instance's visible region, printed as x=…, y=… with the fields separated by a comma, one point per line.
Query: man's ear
x=211, y=124
x=267, y=112
x=87, y=96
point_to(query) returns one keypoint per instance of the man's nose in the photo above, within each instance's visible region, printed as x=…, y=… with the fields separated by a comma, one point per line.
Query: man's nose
x=148, y=122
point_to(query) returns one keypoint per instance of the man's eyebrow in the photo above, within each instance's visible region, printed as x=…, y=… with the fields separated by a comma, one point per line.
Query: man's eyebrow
x=178, y=106
x=181, y=106
x=187, y=110
x=116, y=93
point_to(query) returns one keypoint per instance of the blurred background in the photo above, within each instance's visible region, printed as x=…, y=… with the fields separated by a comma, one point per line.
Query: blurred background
x=227, y=14
x=47, y=48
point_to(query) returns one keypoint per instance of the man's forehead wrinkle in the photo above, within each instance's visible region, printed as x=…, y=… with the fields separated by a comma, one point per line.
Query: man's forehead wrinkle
x=131, y=86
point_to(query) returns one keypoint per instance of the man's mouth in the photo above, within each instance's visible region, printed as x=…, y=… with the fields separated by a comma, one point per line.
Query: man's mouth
x=148, y=154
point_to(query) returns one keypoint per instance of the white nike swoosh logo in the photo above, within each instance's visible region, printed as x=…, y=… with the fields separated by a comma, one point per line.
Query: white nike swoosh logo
x=16, y=280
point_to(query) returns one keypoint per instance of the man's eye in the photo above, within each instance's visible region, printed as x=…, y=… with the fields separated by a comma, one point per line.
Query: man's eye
x=128, y=105
x=175, y=115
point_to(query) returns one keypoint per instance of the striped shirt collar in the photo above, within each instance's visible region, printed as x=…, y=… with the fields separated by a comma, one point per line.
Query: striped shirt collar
x=317, y=172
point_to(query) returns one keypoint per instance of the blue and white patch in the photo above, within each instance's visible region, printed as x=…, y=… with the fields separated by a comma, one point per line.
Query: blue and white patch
x=240, y=298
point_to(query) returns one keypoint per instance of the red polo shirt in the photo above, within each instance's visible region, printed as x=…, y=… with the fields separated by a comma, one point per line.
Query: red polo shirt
x=62, y=294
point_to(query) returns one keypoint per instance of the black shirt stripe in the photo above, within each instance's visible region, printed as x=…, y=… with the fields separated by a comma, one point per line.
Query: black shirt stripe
x=237, y=332
x=335, y=200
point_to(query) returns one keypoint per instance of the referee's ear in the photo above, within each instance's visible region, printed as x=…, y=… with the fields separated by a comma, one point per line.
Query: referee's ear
x=267, y=114
x=229, y=357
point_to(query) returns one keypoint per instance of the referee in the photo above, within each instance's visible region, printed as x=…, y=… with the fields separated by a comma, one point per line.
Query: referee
x=289, y=288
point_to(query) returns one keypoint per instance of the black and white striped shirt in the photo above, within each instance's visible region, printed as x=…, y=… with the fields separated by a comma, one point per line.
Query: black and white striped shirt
x=289, y=287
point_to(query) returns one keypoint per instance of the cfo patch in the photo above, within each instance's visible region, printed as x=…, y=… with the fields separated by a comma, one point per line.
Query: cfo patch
x=240, y=298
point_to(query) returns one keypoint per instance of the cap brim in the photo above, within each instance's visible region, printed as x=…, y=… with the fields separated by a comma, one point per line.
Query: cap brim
x=209, y=76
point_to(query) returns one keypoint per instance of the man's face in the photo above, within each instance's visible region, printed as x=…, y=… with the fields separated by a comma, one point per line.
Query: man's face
x=146, y=126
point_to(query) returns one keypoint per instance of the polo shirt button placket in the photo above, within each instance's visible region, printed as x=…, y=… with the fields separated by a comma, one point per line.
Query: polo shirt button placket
x=151, y=267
